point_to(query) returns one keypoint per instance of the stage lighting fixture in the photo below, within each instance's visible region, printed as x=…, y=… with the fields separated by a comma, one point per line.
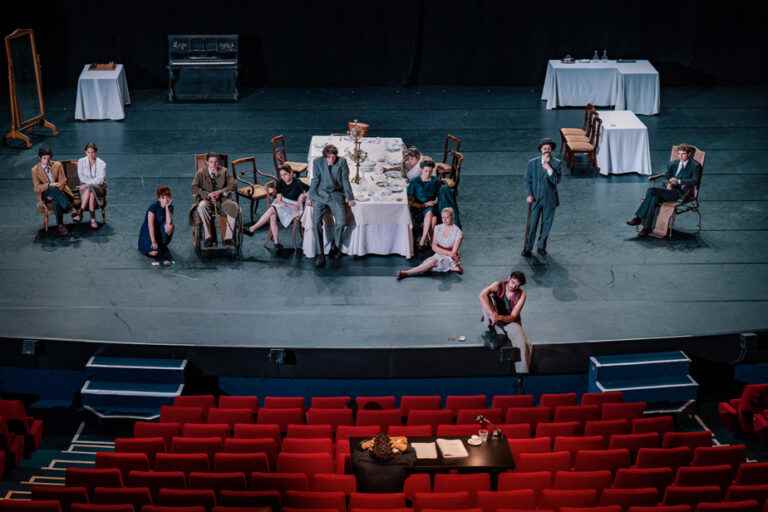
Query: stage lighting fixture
x=28, y=347
x=281, y=357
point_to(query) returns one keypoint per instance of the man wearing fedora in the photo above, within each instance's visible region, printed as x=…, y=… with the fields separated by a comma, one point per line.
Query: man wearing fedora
x=541, y=181
x=683, y=175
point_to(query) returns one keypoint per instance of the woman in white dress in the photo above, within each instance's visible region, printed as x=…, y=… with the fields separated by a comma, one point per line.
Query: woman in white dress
x=291, y=193
x=92, y=172
x=445, y=244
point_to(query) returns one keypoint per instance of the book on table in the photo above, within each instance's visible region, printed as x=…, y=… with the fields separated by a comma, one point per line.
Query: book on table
x=452, y=448
x=425, y=450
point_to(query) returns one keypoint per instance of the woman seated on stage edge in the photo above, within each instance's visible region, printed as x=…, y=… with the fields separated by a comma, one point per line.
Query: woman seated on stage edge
x=291, y=194
x=157, y=230
x=502, y=304
x=445, y=244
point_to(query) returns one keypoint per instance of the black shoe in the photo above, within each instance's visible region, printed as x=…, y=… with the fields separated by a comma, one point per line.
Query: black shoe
x=209, y=243
x=279, y=247
x=541, y=251
x=526, y=253
x=634, y=221
x=335, y=253
x=229, y=242
x=320, y=261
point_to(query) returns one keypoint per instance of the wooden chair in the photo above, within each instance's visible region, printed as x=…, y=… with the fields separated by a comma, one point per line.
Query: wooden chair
x=253, y=191
x=280, y=157
x=452, y=144
x=451, y=174
x=579, y=134
x=689, y=202
x=73, y=182
x=578, y=147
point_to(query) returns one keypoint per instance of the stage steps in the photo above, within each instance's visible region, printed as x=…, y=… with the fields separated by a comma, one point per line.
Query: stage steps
x=660, y=378
x=131, y=387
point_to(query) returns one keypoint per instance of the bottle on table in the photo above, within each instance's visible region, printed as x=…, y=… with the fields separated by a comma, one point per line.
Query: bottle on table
x=595, y=57
x=605, y=55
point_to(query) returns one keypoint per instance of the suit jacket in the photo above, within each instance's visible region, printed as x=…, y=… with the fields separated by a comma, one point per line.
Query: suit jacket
x=689, y=177
x=330, y=185
x=541, y=185
x=202, y=184
x=40, y=180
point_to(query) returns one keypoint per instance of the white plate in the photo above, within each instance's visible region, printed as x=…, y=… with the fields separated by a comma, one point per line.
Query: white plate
x=474, y=442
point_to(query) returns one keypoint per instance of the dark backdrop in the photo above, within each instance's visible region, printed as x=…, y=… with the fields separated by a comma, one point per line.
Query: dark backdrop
x=400, y=42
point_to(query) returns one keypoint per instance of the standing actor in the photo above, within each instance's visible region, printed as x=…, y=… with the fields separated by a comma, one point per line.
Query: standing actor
x=329, y=190
x=541, y=181
x=212, y=189
x=682, y=175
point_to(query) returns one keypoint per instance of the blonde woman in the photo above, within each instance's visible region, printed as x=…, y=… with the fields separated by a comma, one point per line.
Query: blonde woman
x=446, y=243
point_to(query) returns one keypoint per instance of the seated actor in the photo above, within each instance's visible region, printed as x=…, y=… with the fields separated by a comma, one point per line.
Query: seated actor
x=157, y=229
x=50, y=184
x=329, y=190
x=383, y=464
x=502, y=305
x=411, y=161
x=290, y=195
x=423, y=200
x=212, y=190
x=445, y=244
x=682, y=175
x=92, y=172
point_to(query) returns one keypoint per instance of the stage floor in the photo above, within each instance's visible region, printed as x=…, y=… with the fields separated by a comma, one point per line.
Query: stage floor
x=600, y=281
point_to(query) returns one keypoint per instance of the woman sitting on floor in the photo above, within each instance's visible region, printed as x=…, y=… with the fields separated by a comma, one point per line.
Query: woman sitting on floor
x=445, y=244
x=422, y=198
x=288, y=204
x=92, y=172
x=157, y=230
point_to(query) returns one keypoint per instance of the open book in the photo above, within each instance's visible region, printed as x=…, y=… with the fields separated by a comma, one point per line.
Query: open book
x=425, y=450
x=452, y=448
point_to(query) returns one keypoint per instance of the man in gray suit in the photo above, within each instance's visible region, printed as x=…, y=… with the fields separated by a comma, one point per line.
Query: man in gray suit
x=541, y=181
x=329, y=190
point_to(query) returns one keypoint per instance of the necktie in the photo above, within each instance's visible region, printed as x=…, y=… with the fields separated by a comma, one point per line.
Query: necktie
x=680, y=167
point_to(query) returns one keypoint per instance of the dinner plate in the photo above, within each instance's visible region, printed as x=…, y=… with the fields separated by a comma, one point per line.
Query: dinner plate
x=474, y=442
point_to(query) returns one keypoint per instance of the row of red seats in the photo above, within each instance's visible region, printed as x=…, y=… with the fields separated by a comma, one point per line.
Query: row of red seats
x=749, y=412
x=394, y=416
x=20, y=434
x=406, y=402
x=482, y=501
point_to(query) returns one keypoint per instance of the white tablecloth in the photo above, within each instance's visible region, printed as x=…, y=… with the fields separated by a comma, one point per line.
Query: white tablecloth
x=626, y=85
x=624, y=146
x=382, y=224
x=102, y=94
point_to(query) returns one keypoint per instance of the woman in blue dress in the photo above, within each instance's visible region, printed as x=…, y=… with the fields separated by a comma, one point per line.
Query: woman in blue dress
x=157, y=230
x=422, y=198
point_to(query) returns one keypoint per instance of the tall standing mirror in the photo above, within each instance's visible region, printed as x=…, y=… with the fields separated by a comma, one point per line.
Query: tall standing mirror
x=25, y=86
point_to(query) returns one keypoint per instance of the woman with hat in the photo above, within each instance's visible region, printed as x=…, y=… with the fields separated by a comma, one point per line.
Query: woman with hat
x=541, y=181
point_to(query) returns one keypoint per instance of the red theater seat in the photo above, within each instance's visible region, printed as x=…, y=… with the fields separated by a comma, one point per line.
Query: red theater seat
x=382, y=401
x=380, y=417
x=412, y=430
x=30, y=506
x=205, y=430
x=266, y=445
x=430, y=417
x=658, y=478
x=313, y=499
x=531, y=415
x=179, y=414
x=63, y=494
x=457, y=402
x=280, y=481
x=332, y=482
x=416, y=483
x=663, y=457
x=148, y=429
x=239, y=402
x=245, y=462
x=733, y=455
x=515, y=430
x=125, y=462
x=573, y=444
x=690, y=439
x=507, y=401
x=626, y=410
x=588, y=460
x=33, y=428
x=333, y=417
x=319, y=431
x=147, y=445
x=626, y=498
x=677, y=495
x=469, y=415
x=93, y=477
x=372, y=500
x=446, y=482
x=738, y=492
x=442, y=500
x=661, y=508
x=455, y=430
x=156, y=480
x=300, y=445
x=556, y=498
x=161, y=508
x=250, y=499
x=583, y=479
x=660, y=424
x=604, y=508
x=535, y=480
x=752, y=473
x=101, y=507
x=552, y=461
x=410, y=403
x=532, y=445
x=606, y=427
x=309, y=463
x=249, y=430
x=557, y=399
x=633, y=442
x=187, y=497
x=579, y=413
x=230, y=416
x=558, y=428
x=184, y=462
x=204, y=401
x=284, y=402
x=719, y=475
x=490, y=501
x=234, y=481
x=330, y=402
x=208, y=445
x=344, y=432
x=136, y=496
x=729, y=506
x=282, y=417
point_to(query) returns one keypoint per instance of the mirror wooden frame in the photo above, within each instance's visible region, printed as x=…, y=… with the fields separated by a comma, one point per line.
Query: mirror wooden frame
x=18, y=125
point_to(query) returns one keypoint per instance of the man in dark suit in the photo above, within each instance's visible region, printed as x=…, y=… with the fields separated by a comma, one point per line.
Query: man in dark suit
x=330, y=190
x=541, y=181
x=682, y=175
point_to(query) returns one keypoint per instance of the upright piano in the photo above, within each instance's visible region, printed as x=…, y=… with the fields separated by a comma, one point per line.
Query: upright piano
x=203, y=67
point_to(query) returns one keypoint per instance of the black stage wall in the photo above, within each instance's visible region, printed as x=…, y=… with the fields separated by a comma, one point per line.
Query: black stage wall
x=400, y=42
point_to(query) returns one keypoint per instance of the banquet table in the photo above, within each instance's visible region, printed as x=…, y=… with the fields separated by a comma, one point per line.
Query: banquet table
x=625, y=85
x=102, y=94
x=624, y=146
x=382, y=221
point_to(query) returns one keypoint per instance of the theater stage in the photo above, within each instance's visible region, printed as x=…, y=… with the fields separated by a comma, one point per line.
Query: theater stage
x=600, y=282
